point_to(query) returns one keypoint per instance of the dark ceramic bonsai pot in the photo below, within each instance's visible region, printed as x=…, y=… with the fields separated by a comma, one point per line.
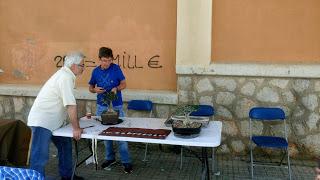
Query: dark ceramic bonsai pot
x=109, y=117
x=186, y=131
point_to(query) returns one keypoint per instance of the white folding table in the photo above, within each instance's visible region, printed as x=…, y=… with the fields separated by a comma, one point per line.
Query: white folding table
x=210, y=136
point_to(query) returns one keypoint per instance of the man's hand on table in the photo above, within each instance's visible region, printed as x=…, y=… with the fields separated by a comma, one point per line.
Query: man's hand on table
x=77, y=133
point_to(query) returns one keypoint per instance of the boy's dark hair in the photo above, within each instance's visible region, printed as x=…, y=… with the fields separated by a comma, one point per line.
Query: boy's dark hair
x=105, y=52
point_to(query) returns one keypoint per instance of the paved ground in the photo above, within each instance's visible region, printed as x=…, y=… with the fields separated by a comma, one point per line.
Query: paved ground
x=165, y=165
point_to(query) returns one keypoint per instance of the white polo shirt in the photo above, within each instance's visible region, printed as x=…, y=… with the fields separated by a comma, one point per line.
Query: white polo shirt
x=49, y=108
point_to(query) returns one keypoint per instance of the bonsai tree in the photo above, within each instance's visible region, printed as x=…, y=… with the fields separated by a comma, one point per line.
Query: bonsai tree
x=186, y=110
x=110, y=116
x=107, y=99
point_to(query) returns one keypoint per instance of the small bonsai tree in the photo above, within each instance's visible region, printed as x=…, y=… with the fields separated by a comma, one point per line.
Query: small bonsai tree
x=186, y=110
x=107, y=99
x=109, y=116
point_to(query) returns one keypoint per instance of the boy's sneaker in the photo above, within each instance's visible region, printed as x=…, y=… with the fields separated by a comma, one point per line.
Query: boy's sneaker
x=108, y=163
x=127, y=167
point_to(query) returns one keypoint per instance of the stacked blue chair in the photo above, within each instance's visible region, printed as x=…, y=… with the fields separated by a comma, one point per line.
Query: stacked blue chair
x=271, y=142
x=204, y=111
x=12, y=173
x=141, y=105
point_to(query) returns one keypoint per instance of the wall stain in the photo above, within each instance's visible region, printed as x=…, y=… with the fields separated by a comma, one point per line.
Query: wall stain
x=20, y=75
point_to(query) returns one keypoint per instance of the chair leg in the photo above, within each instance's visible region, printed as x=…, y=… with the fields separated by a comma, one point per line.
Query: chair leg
x=251, y=159
x=181, y=155
x=289, y=167
x=284, y=154
x=145, y=153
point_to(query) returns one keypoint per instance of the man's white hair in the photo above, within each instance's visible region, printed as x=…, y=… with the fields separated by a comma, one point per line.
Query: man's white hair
x=73, y=58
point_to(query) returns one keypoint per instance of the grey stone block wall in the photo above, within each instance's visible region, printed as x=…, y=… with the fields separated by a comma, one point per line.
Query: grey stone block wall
x=159, y=110
x=233, y=97
x=18, y=107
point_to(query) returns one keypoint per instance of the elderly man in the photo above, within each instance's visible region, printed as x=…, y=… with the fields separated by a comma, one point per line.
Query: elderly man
x=48, y=113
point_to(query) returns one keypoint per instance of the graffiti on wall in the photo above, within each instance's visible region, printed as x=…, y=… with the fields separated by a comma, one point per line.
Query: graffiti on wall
x=125, y=61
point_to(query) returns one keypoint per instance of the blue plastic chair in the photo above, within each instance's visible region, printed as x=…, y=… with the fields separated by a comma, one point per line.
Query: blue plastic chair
x=203, y=111
x=141, y=105
x=274, y=142
x=19, y=173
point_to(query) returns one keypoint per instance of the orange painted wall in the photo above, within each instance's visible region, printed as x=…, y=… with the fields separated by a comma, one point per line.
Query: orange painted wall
x=266, y=31
x=34, y=32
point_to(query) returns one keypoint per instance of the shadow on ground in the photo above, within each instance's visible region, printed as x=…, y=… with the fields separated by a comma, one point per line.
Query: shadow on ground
x=165, y=164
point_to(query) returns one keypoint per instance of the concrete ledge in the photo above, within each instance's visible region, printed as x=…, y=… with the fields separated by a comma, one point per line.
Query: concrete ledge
x=159, y=97
x=265, y=70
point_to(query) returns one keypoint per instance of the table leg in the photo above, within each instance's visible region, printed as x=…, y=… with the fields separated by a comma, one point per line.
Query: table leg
x=205, y=165
x=181, y=155
x=215, y=170
x=77, y=163
x=77, y=156
x=213, y=161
